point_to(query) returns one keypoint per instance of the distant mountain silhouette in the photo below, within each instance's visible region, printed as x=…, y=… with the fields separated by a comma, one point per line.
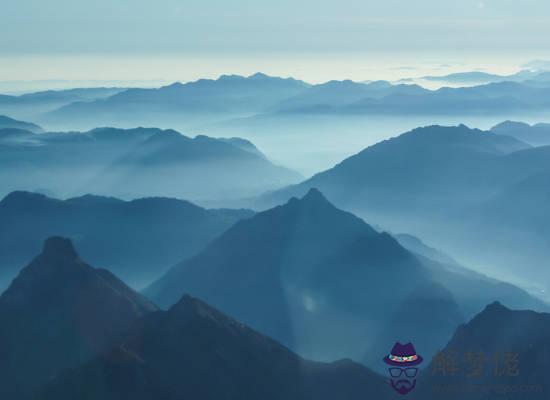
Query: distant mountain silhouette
x=137, y=163
x=227, y=95
x=313, y=277
x=58, y=313
x=33, y=105
x=192, y=351
x=336, y=93
x=6, y=122
x=536, y=135
x=478, y=77
x=137, y=240
x=496, y=98
x=211, y=101
x=513, y=346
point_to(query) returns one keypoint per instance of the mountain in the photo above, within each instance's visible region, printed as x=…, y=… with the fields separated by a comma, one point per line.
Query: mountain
x=432, y=310
x=449, y=165
x=510, y=362
x=33, y=105
x=58, y=313
x=479, y=77
x=194, y=351
x=438, y=183
x=497, y=98
x=72, y=95
x=535, y=135
x=199, y=100
x=137, y=240
x=136, y=163
x=415, y=245
x=313, y=277
x=519, y=215
x=6, y=122
x=335, y=93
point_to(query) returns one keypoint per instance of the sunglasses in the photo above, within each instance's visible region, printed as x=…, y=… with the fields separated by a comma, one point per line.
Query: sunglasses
x=409, y=372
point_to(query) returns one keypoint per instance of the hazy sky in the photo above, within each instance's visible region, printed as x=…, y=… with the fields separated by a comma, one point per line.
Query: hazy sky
x=174, y=39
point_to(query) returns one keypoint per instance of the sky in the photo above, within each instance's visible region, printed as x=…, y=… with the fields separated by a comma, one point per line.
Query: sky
x=167, y=40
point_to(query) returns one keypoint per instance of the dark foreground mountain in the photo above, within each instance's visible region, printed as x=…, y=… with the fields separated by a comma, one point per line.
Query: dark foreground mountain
x=536, y=135
x=58, y=313
x=314, y=277
x=499, y=354
x=193, y=351
x=137, y=163
x=137, y=240
x=6, y=122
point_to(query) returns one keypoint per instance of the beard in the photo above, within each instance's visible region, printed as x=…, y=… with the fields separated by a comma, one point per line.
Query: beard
x=403, y=386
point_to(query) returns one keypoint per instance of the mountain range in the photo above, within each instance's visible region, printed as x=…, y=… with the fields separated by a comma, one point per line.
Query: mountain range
x=10, y=123
x=70, y=331
x=212, y=101
x=448, y=161
x=479, y=77
x=137, y=240
x=59, y=313
x=136, y=163
x=204, y=100
x=207, y=101
x=535, y=135
x=445, y=185
x=493, y=98
x=313, y=276
x=34, y=105
x=194, y=351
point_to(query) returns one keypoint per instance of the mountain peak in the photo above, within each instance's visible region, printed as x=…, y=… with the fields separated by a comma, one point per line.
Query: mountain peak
x=21, y=196
x=259, y=75
x=313, y=199
x=189, y=307
x=59, y=247
x=315, y=195
x=495, y=307
x=175, y=85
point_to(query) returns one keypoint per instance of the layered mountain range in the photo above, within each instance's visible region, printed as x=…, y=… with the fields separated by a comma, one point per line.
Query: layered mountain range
x=314, y=277
x=535, y=135
x=207, y=100
x=194, y=351
x=136, y=163
x=34, y=105
x=7, y=123
x=454, y=186
x=70, y=331
x=137, y=240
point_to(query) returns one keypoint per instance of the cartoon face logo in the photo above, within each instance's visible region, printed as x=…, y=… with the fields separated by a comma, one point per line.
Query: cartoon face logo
x=403, y=362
